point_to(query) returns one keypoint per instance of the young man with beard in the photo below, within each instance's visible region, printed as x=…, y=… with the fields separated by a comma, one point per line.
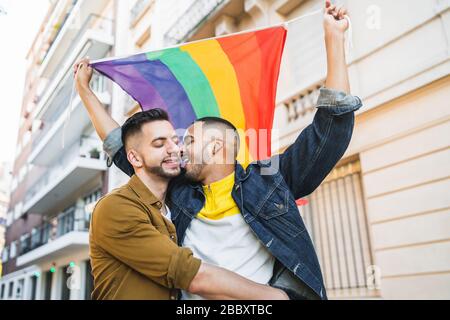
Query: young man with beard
x=247, y=221
x=133, y=243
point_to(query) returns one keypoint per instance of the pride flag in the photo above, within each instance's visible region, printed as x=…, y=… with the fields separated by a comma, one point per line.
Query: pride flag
x=234, y=77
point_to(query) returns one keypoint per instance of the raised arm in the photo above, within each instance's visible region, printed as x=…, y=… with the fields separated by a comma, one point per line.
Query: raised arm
x=335, y=25
x=306, y=163
x=101, y=120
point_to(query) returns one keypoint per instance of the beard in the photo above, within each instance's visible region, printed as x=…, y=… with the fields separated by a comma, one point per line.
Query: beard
x=193, y=171
x=162, y=172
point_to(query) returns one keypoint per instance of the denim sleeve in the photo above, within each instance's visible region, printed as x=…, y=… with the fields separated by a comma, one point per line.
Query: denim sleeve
x=115, y=151
x=307, y=162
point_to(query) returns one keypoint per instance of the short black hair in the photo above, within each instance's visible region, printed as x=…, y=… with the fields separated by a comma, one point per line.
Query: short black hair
x=134, y=124
x=211, y=121
x=215, y=120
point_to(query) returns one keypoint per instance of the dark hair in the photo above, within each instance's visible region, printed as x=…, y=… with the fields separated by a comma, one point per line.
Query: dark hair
x=216, y=120
x=134, y=124
x=211, y=121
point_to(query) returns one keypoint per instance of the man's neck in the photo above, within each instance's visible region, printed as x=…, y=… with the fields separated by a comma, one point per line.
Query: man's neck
x=157, y=185
x=218, y=172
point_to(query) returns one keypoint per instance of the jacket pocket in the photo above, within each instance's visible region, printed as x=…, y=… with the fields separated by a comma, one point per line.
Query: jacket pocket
x=276, y=205
x=275, y=214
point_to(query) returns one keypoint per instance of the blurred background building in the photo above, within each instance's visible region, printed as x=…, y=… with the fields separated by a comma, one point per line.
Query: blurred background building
x=4, y=200
x=380, y=222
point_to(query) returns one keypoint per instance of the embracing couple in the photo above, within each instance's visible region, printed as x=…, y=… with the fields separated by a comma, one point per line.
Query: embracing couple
x=210, y=228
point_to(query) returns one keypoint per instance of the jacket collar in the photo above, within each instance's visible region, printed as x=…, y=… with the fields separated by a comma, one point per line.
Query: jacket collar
x=142, y=191
x=241, y=174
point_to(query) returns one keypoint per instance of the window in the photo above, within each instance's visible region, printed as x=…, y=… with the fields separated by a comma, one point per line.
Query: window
x=26, y=137
x=18, y=148
x=66, y=221
x=22, y=173
x=13, y=250
x=336, y=218
x=2, y=291
x=14, y=184
x=89, y=285
x=48, y=285
x=19, y=289
x=65, y=291
x=10, y=290
x=5, y=254
x=33, y=287
x=90, y=202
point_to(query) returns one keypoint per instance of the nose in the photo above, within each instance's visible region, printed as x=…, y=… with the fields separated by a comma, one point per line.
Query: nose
x=182, y=148
x=173, y=147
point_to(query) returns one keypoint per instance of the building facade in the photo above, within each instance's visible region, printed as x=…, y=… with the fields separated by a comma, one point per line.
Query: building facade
x=59, y=170
x=380, y=221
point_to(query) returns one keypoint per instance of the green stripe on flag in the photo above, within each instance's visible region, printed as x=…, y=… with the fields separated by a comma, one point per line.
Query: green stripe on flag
x=191, y=78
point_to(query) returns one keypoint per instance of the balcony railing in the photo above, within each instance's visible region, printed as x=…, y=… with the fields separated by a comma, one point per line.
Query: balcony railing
x=60, y=104
x=194, y=16
x=94, y=22
x=138, y=8
x=302, y=103
x=60, y=27
x=89, y=148
x=51, y=230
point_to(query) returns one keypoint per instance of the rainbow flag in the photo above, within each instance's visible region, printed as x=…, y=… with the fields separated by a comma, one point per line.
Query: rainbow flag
x=234, y=77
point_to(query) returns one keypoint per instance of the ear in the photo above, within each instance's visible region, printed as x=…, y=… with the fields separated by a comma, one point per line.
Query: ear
x=217, y=146
x=134, y=159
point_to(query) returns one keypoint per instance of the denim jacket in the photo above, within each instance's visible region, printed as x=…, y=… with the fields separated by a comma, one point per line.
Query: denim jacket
x=266, y=191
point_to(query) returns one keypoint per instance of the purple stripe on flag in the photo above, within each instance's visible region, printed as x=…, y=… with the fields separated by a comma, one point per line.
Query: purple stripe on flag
x=178, y=104
x=130, y=80
x=165, y=87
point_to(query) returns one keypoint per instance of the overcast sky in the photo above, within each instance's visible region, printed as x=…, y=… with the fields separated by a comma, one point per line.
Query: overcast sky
x=17, y=31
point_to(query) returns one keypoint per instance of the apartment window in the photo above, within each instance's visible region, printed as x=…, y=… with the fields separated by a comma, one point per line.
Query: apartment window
x=14, y=184
x=336, y=218
x=10, y=290
x=18, y=210
x=18, y=148
x=2, y=291
x=19, y=289
x=66, y=221
x=90, y=202
x=138, y=10
x=13, y=250
x=26, y=137
x=33, y=287
x=5, y=254
x=65, y=291
x=92, y=199
x=22, y=173
x=48, y=285
x=89, y=283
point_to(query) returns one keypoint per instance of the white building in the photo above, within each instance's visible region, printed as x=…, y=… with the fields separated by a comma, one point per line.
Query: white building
x=59, y=171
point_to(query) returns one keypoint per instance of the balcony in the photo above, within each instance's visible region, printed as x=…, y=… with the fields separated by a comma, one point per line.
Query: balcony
x=68, y=31
x=60, y=15
x=294, y=114
x=68, y=177
x=47, y=144
x=65, y=234
x=138, y=11
x=94, y=39
x=198, y=19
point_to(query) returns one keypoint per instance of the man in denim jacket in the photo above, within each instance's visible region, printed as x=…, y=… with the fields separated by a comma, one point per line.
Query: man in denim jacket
x=272, y=245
